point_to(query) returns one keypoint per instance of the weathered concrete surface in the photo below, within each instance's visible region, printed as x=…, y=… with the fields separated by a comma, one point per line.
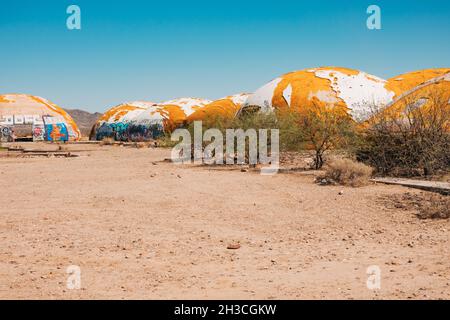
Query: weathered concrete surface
x=435, y=186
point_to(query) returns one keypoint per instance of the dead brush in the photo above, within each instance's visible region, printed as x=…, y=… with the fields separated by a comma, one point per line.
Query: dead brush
x=346, y=172
x=425, y=205
x=435, y=207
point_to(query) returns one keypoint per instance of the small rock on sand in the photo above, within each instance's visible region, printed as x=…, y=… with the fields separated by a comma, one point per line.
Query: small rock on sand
x=233, y=246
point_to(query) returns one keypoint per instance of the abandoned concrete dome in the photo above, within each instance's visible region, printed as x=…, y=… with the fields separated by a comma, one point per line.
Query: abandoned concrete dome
x=26, y=117
x=167, y=116
x=433, y=92
x=355, y=91
x=225, y=108
x=177, y=111
x=403, y=83
x=114, y=122
x=140, y=120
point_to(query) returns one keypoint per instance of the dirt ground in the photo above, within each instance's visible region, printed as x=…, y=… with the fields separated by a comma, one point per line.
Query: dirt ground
x=143, y=230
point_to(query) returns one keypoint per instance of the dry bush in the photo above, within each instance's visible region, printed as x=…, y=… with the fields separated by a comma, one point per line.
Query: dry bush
x=346, y=172
x=410, y=142
x=317, y=128
x=165, y=142
x=437, y=208
x=107, y=141
x=425, y=204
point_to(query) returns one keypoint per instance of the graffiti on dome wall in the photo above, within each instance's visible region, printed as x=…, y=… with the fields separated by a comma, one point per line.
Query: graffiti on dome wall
x=129, y=131
x=140, y=132
x=56, y=132
x=104, y=131
x=38, y=132
x=5, y=134
x=44, y=128
x=55, y=129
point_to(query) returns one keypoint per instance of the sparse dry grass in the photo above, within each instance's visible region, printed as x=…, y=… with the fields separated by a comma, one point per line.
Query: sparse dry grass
x=346, y=172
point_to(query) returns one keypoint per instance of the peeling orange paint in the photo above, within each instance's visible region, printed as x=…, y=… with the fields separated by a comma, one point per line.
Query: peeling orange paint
x=341, y=89
x=173, y=116
x=405, y=82
x=346, y=71
x=225, y=108
x=306, y=87
x=427, y=93
x=117, y=112
x=3, y=99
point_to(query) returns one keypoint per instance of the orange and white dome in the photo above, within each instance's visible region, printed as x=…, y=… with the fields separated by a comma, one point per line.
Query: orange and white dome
x=131, y=119
x=226, y=107
x=119, y=115
x=178, y=110
x=425, y=95
x=171, y=114
x=408, y=81
x=124, y=112
x=352, y=90
x=28, y=109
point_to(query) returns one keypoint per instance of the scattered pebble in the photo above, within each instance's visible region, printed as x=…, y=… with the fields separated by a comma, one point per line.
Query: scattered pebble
x=233, y=246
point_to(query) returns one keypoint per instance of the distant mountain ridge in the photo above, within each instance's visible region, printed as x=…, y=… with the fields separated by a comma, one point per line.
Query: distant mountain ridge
x=84, y=119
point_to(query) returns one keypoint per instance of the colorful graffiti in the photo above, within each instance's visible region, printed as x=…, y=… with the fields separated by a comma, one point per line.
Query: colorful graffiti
x=140, y=132
x=129, y=131
x=56, y=132
x=38, y=132
x=5, y=134
x=143, y=121
x=104, y=131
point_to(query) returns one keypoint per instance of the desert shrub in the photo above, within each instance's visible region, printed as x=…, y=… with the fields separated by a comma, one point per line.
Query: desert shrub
x=426, y=205
x=346, y=172
x=437, y=208
x=164, y=141
x=253, y=121
x=325, y=128
x=316, y=128
x=413, y=141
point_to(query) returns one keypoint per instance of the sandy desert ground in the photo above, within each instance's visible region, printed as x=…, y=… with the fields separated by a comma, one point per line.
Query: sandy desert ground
x=143, y=230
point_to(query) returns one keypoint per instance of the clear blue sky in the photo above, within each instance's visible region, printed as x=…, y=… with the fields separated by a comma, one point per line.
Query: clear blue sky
x=158, y=50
